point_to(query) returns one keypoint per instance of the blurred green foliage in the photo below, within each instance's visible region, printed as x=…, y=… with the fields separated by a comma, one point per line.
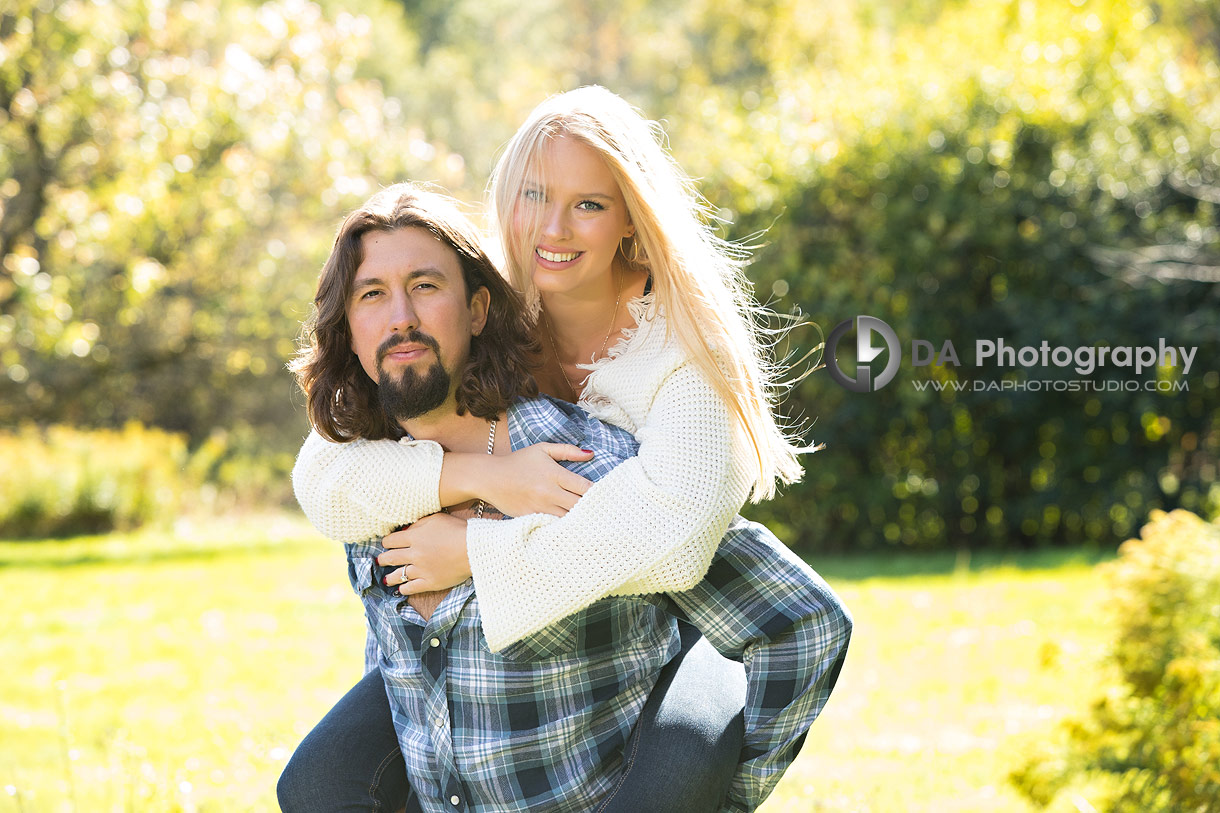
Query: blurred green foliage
x=62, y=481
x=172, y=173
x=1153, y=740
x=1020, y=171
x=65, y=481
x=171, y=176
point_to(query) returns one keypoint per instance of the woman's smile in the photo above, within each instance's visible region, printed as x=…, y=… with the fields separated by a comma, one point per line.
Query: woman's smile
x=556, y=259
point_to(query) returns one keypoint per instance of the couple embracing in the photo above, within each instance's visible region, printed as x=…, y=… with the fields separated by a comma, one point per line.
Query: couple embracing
x=536, y=476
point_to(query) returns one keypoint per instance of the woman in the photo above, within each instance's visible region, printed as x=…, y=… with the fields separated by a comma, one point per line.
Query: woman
x=643, y=315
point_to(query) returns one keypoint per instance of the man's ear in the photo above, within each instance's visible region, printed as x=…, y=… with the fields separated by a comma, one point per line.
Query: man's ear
x=480, y=304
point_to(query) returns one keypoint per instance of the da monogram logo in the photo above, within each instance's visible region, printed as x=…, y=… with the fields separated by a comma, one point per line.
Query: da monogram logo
x=865, y=354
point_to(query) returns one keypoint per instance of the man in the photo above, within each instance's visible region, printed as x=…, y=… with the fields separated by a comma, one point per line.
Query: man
x=417, y=334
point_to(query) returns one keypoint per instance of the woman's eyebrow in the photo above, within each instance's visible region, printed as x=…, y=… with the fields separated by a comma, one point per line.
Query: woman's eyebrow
x=541, y=187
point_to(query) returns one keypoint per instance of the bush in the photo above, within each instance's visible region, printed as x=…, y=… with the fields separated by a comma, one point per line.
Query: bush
x=62, y=481
x=990, y=192
x=1153, y=740
x=240, y=468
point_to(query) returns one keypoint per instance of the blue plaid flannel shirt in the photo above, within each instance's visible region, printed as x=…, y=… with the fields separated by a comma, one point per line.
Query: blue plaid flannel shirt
x=542, y=725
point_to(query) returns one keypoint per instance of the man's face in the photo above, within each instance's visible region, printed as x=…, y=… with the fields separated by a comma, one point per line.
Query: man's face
x=411, y=320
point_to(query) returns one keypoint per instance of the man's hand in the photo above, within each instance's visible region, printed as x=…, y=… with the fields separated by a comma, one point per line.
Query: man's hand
x=430, y=555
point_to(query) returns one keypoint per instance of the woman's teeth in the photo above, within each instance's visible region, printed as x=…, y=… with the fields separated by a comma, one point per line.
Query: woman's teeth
x=556, y=258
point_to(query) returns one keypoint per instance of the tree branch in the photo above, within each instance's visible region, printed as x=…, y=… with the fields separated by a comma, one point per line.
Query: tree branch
x=1165, y=264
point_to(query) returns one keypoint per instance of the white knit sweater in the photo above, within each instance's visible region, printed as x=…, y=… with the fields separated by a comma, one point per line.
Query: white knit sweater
x=651, y=525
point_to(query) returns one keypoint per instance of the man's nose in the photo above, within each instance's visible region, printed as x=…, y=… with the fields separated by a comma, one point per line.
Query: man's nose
x=402, y=314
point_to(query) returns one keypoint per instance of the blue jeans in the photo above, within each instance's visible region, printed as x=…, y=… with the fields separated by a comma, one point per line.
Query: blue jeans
x=680, y=758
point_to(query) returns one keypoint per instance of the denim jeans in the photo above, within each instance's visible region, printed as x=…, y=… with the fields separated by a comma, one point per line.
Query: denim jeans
x=680, y=758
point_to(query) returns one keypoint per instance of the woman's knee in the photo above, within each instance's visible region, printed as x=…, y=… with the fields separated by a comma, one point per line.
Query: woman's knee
x=350, y=760
x=292, y=790
x=692, y=727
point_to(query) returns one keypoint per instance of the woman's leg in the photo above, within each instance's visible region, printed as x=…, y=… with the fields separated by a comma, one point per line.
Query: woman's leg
x=350, y=761
x=687, y=743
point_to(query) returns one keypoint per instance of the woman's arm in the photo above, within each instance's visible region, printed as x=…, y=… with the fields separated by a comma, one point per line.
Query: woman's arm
x=355, y=491
x=362, y=489
x=652, y=524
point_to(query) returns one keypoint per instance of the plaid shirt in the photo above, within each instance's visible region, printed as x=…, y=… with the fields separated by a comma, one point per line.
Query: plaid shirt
x=542, y=725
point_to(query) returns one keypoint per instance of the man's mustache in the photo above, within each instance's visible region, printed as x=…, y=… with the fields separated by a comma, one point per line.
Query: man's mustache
x=411, y=337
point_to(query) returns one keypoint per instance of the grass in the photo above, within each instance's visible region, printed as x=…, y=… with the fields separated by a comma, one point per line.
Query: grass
x=177, y=671
x=950, y=679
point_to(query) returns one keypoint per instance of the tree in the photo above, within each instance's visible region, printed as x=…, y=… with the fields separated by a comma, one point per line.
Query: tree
x=169, y=184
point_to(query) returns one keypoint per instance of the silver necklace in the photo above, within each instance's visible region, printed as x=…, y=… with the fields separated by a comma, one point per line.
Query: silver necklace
x=491, y=445
x=605, y=341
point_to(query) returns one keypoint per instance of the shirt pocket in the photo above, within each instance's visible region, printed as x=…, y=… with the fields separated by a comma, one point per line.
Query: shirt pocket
x=380, y=605
x=362, y=573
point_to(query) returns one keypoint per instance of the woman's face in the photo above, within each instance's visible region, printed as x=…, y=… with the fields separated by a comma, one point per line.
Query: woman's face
x=580, y=216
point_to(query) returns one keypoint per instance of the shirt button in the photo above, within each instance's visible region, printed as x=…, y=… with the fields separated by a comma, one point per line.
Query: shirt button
x=453, y=800
x=436, y=642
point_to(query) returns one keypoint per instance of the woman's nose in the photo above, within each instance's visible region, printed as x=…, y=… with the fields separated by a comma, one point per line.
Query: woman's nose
x=555, y=222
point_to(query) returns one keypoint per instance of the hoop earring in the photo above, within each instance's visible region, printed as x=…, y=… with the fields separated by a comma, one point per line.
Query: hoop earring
x=632, y=256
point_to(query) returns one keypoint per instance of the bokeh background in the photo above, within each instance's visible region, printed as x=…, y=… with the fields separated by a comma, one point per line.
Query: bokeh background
x=172, y=175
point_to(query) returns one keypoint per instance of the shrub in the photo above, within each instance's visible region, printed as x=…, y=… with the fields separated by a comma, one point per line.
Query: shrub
x=238, y=467
x=61, y=481
x=1153, y=740
x=960, y=185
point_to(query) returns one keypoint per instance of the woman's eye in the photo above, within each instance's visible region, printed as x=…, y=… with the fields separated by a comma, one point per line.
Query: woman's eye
x=590, y=206
x=532, y=195
x=370, y=294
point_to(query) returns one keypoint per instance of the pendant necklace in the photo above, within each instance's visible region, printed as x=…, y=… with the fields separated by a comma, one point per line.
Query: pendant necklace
x=601, y=350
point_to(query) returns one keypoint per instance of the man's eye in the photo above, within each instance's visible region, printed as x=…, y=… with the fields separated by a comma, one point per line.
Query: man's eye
x=425, y=285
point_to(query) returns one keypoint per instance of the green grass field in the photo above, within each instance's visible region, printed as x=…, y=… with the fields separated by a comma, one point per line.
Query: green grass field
x=177, y=671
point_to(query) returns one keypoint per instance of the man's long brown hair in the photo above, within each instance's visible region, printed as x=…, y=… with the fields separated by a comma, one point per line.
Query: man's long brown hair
x=342, y=399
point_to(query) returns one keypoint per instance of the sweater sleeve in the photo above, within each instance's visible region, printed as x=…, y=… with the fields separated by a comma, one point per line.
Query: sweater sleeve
x=651, y=524
x=355, y=491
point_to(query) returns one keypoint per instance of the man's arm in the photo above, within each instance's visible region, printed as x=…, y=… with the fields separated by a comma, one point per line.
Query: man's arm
x=761, y=604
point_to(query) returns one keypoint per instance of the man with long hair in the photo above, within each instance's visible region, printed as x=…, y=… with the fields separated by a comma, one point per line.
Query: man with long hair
x=417, y=337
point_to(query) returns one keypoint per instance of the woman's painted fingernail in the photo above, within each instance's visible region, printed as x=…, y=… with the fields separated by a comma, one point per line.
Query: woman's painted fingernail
x=587, y=451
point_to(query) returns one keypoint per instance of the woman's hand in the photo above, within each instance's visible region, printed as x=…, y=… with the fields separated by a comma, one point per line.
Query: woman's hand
x=431, y=555
x=527, y=481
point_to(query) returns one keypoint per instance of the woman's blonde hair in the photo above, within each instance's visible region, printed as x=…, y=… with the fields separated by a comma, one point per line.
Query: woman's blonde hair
x=697, y=278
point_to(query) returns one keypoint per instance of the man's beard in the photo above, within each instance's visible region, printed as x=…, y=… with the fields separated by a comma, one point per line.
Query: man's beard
x=411, y=394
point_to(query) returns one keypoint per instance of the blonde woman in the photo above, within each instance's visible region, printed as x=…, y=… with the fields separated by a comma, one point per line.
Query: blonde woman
x=644, y=319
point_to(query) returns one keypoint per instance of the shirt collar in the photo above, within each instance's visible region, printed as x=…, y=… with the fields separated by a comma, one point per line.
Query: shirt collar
x=546, y=420
x=542, y=419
